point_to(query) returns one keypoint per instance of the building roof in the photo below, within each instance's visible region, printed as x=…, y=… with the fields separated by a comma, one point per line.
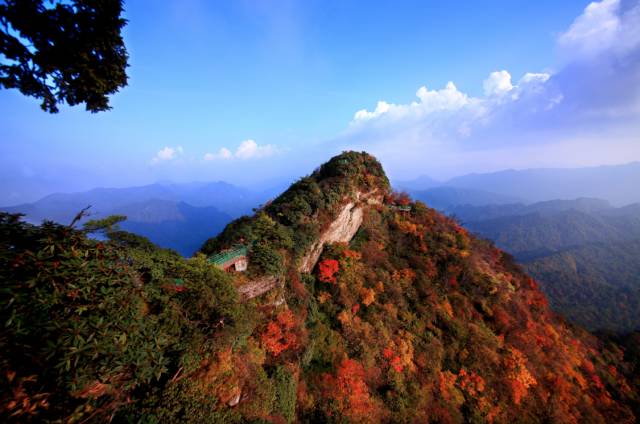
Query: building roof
x=401, y=208
x=225, y=256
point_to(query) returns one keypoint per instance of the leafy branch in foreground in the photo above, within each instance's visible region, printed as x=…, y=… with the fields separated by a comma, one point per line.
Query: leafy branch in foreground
x=63, y=51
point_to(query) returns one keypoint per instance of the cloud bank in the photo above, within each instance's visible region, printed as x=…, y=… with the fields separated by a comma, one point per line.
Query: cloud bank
x=585, y=113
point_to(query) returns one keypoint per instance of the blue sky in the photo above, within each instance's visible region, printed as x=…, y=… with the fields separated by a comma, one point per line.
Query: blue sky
x=254, y=91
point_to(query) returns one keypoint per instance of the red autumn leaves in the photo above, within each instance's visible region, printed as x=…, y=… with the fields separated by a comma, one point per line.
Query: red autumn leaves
x=327, y=270
x=280, y=334
x=350, y=391
x=394, y=360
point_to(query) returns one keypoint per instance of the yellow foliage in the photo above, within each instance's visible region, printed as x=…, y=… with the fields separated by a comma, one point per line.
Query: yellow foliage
x=368, y=296
x=323, y=296
x=448, y=308
x=344, y=317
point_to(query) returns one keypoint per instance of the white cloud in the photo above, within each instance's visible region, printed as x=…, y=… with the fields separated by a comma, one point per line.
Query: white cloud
x=594, y=30
x=448, y=110
x=608, y=26
x=223, y=153
x=364, y=115
x=534, y=78
x=430, y=102
x=248, y=149
x=167, y=154
x=498, y=84
x=449, y=98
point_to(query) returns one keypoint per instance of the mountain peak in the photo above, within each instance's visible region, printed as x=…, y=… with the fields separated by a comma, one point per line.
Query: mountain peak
x=395, y=294
x=312, y=203
x=357, y=305
x=354, y=166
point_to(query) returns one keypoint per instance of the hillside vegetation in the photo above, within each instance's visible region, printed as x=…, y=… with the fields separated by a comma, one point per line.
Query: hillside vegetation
x=410, y=320
x=583, y=252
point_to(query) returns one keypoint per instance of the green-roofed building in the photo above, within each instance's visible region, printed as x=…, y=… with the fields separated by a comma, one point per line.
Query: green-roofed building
x=231, y=260
x=401, y=208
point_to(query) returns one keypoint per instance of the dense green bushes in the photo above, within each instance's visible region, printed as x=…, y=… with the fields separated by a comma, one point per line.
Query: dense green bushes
x=90, y=325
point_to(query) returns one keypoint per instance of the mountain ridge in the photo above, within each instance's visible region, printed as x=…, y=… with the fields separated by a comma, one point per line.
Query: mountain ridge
x=404, y=317
x=614, y=183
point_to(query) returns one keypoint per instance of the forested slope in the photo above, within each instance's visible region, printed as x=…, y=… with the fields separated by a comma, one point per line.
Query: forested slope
x=410, y=320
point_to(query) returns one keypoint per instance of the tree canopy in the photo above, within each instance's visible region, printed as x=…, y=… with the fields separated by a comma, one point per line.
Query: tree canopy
x=63, y=51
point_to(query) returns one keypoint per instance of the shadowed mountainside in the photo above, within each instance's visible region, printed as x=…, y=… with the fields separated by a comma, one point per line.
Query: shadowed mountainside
x=174, y=216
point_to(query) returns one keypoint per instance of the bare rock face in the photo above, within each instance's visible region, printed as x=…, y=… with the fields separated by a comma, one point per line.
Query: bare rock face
x=341, y=230
x=258, y=287
x=237, y=393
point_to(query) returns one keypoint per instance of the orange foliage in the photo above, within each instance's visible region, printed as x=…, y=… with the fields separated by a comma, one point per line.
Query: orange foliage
x=368, y=296
x=345, y=318
x=279, y=335
x=446, y=381
x=588, y=366
x=350, y=391
x=532, y=283
x=399, y=353
x=323, y=296
x=520, y=379
x=401, y=199
x=327, y=270
x=470, y=382
x=493, y=413
x=448, y=309
x=21, y=403
x=537, y=300
x=404, y=274
x=409, y=227
x=352, y=254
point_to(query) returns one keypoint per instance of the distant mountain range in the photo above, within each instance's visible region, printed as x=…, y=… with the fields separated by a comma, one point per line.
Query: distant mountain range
x=617, y=184
x=444, y=198
x=225, y=197
x=585, y=253
x=176, y=216
x=176, y=225
x=181, y=216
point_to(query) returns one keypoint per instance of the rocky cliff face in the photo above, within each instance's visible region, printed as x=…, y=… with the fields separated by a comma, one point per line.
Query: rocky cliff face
x=258, y=287
x=342, y=229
